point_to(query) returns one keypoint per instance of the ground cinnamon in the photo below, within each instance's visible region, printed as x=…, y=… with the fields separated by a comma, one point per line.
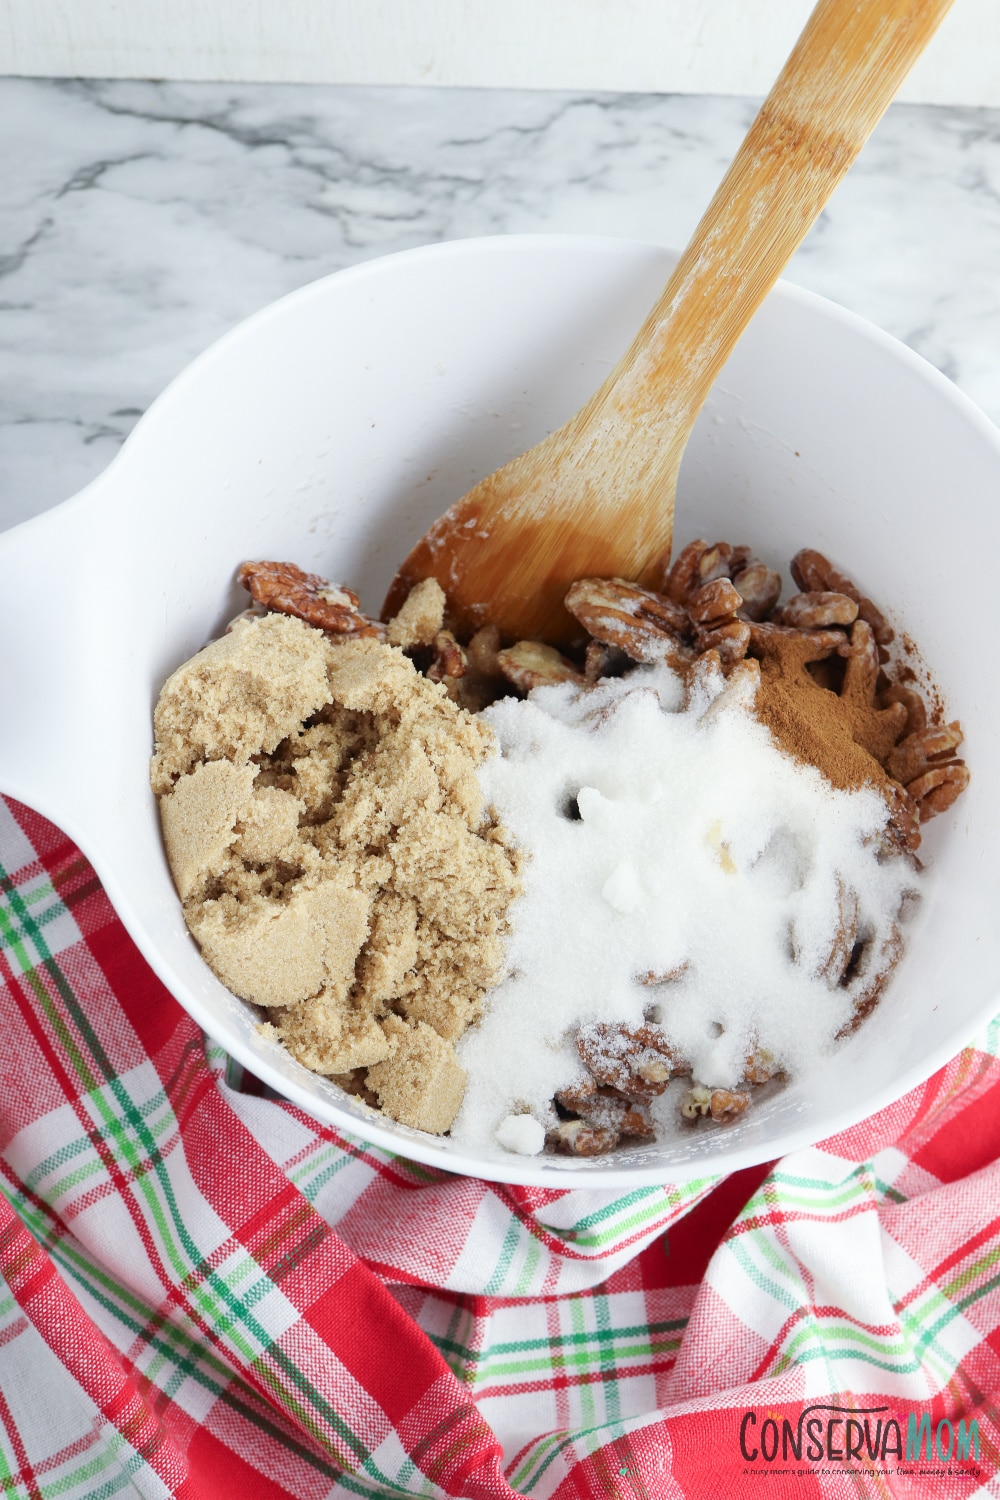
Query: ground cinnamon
x=842, y=733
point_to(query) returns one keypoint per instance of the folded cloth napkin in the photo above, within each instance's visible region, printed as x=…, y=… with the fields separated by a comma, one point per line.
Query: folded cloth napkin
x=205, y=1293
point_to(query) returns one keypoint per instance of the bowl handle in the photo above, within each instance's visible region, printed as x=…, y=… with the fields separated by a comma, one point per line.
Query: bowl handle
x=51, y=608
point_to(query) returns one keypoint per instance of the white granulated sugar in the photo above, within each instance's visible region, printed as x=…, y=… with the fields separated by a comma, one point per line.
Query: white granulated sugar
x=673, y=842
x=522, y=1134
x=621, y=889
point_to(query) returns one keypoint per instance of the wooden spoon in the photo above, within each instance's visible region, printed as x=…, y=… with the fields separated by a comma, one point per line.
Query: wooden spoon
x=596, y=497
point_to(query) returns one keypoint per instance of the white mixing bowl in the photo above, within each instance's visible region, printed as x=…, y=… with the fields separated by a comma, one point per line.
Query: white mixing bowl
x=334, y=426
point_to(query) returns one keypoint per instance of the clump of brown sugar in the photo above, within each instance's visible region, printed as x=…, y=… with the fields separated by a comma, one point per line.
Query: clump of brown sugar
x=324, y=824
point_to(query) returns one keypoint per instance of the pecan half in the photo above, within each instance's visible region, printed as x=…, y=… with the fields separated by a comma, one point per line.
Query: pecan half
x=529, y=664
x=285, y=588
x=713, y=601
x=730, y=640
x=862, y=669
x=815, y=573
x=449, y=658
x=761, y=1066
x=916, y=709
x=718, y=561
x=700, y=563
x=939, y=788
x=760, y=589
x=637, y=1123
x=818, y=609
x=603, y=661
x=577, y=1138
x=922, y=750
x=482, y=682
x=638, y=1061
x=903, y=828
x=722, y=1104
x=482, y=651
x=712, y=611
x=726, y=1104
x=580, y=1096
x=606, y=1109
x=648, y=627
x=835, y=965
x=875, y=965
x=684, y=577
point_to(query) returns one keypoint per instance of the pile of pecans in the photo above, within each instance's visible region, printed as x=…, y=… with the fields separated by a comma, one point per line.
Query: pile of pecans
x=719, y=604
x=627, y=1067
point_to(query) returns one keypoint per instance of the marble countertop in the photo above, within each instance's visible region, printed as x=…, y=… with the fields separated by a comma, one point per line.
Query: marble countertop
x=139, y=221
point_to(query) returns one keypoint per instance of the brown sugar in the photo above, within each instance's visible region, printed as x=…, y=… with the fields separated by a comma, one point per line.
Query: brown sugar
x=421, y=616
x=421, y=1082
x=244, y=693
x=325, y=827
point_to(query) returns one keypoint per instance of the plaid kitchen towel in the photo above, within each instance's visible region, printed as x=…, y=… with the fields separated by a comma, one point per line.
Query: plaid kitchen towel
x=205, y=1294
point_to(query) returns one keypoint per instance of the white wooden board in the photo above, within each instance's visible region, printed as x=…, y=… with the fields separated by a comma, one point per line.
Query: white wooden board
x=686, y=46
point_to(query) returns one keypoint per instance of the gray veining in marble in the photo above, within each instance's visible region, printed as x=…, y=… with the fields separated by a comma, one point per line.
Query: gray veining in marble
x=139, y=221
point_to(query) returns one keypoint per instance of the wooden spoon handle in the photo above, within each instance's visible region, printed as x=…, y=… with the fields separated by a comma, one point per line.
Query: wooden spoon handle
x=836, y=84
x=596, y=497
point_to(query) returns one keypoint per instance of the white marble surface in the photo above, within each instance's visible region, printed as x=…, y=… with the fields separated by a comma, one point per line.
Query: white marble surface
x=139, y=221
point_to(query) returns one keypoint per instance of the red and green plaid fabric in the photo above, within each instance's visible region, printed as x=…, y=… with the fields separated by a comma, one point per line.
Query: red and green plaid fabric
x=204, y=1293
